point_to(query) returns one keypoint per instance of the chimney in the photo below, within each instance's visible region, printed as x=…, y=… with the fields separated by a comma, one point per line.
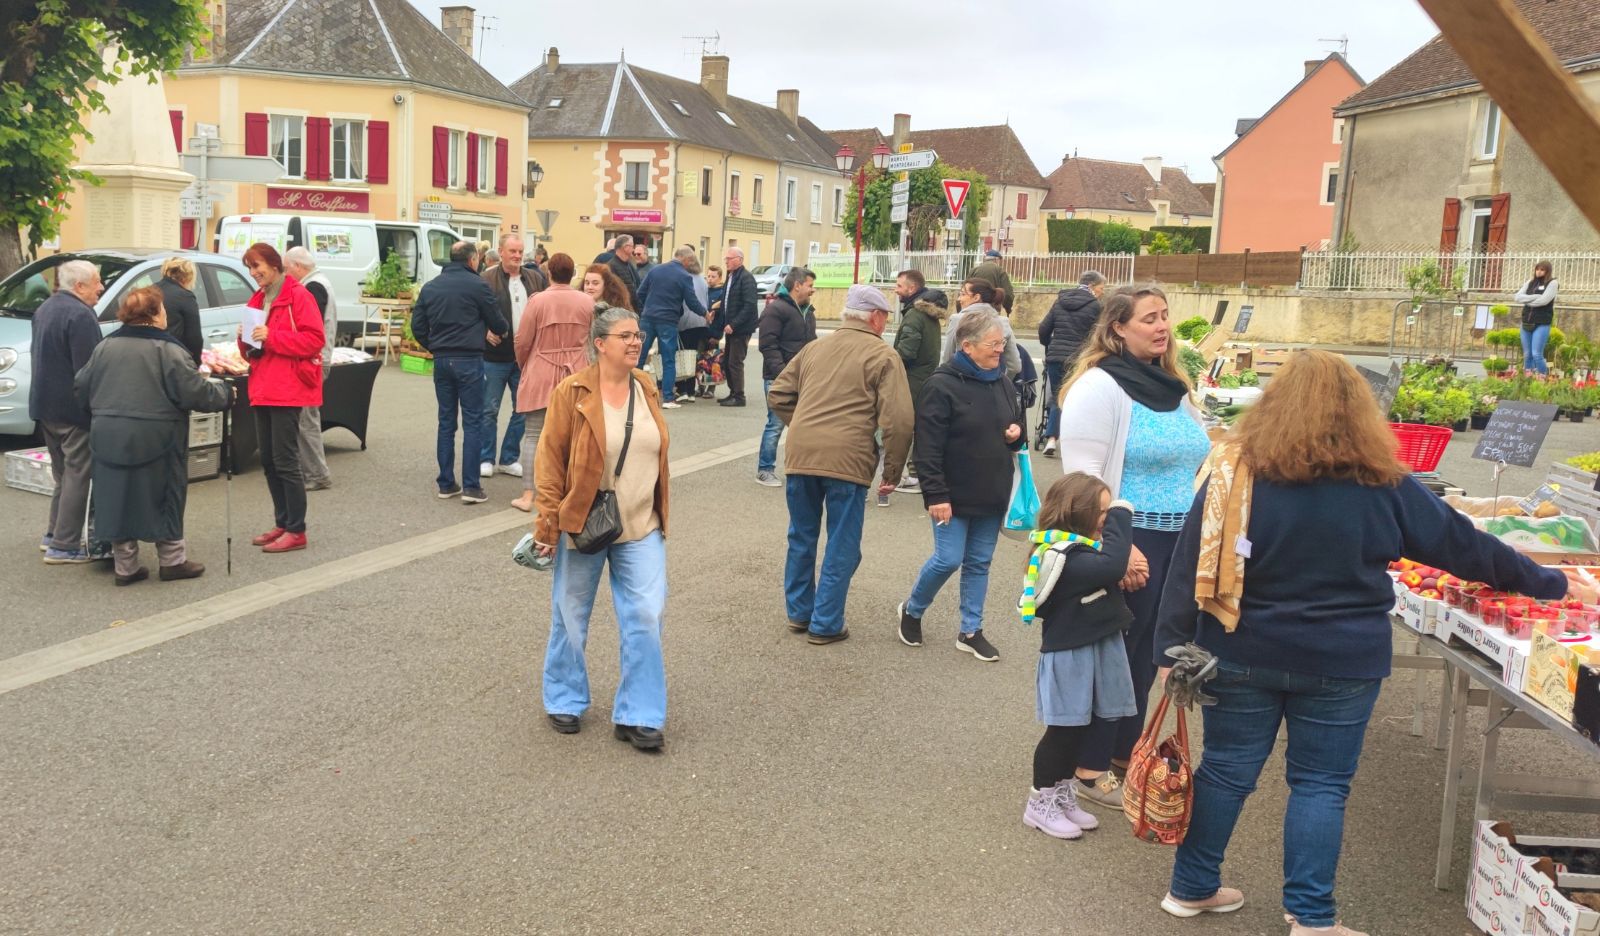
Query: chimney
x=552, y=59
x=1152, y=165
x=902, y=131
x=1311, y=65
x=789, y=105
x=456, y=23
x=714, y=76
x=216, y=48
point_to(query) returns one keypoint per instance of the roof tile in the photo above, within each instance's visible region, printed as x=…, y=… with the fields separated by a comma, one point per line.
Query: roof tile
x=1119, y=186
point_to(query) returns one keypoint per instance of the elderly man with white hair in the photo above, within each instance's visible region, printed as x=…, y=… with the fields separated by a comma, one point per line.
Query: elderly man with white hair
x=65, y=332
x=298, y=263
x=835, y=396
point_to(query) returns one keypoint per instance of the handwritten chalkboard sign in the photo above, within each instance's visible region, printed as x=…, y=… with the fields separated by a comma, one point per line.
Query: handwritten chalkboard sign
x=1384, y=386
x=1243, y=325
x=1515, y=432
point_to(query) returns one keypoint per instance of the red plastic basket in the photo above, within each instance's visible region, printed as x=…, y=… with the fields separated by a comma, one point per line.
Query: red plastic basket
x=1421, y=447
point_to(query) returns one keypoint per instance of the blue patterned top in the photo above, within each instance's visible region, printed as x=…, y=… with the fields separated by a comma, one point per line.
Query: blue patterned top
x=1163, y=454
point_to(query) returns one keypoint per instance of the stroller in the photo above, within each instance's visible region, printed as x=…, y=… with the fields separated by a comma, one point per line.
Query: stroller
x=1027, y=384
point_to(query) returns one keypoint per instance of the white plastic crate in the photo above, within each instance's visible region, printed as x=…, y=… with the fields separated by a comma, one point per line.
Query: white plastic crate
x=205, y=463
x=205, y=429
x=29, y=470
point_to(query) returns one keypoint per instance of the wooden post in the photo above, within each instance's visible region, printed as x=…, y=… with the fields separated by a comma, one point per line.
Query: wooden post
x=1244, y=278
x=1301, y=276
x=1543, y=100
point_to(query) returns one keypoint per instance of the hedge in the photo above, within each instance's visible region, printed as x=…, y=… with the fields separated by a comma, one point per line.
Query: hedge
x=1200, y=237
x=1073, y=235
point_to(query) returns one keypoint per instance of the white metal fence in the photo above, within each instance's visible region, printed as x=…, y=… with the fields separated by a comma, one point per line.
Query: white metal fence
x=949, y=268
x=1492, y=273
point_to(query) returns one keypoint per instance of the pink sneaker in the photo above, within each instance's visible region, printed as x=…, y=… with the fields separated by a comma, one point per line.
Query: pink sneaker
x=1044, y=813
x=1067, y=796
x=1337, y=929
x=1225, y=900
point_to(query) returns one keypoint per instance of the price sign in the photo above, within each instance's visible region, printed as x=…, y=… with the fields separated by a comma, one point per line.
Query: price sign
x=1384, y=386
x=1515, y=433
x=1243, y=325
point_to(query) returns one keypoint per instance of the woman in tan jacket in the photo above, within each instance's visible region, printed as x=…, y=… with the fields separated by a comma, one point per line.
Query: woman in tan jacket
x=606, y=413
x=550, y=342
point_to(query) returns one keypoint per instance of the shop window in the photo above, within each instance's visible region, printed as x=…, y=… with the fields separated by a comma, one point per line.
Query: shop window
x=287, y=144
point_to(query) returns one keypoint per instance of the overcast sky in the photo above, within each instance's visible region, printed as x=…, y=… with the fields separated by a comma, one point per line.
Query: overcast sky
x=1111, y=80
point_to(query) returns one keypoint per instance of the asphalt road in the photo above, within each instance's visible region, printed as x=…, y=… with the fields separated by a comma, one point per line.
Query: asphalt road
x=367, y=753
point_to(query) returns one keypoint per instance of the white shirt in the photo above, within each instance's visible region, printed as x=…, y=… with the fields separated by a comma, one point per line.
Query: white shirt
x=519, y=294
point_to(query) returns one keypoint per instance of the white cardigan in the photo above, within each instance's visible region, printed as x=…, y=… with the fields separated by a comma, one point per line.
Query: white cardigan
x=1094, y=427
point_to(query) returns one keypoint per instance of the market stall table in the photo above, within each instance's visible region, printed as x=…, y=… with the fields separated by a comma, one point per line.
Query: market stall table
x=346, y=402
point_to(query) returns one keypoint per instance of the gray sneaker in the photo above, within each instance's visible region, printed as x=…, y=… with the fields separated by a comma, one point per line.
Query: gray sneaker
x=1106, y=791
x=768, y=479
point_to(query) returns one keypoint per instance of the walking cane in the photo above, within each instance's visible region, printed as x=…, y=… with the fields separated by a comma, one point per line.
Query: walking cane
x=227, y=466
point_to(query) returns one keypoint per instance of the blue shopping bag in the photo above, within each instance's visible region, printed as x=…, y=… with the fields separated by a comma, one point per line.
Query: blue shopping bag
x=1022, y=516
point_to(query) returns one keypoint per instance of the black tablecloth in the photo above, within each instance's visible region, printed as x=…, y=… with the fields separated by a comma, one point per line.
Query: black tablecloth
x=346, y=401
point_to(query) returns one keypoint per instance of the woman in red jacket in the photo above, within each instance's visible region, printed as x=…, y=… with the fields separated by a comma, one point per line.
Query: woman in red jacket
x=285, y=357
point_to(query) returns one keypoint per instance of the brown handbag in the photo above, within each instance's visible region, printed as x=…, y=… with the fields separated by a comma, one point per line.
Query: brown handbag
x=1158, y=796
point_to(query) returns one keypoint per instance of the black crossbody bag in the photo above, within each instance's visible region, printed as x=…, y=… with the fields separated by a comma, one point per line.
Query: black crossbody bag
x=604, y=523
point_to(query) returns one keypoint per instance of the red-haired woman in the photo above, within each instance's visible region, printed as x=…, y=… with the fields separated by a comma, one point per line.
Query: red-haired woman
x=285, y=354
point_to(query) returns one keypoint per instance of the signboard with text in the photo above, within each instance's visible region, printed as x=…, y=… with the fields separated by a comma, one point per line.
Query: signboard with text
x=1515, y=432
x=436, y=212
x=905, y=162
x=300, y=199
x=637, y=215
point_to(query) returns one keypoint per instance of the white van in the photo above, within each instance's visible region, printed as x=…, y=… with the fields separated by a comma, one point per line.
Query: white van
x=347, y=250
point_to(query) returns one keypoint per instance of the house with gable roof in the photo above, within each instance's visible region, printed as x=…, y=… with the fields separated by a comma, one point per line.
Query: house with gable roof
x=1143, y=194
x=627, y=150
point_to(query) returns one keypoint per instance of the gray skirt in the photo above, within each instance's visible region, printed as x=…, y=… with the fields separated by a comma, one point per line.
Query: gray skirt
x=1085, y=681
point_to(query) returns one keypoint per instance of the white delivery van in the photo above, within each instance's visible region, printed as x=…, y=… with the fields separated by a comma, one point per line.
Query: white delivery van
x=347, y=250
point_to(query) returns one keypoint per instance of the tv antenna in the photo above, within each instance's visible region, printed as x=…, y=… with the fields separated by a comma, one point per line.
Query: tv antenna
x=483, y=32
x=1343, y=42
x=709, y=45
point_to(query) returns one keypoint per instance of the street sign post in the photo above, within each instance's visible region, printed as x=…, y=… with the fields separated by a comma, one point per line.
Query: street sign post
x=905, y=162
x=901, y=188
x=232, y=168
x=547, y=220
x=954, y=224
x=897, y=214
x=955, y=195
x=899, y=198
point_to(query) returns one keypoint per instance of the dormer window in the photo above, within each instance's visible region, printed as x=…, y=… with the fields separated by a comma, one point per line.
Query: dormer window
x=554, y=102
x=680, y=108
x=726, y=119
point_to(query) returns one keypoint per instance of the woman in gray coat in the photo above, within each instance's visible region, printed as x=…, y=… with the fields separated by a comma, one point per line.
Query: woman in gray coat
x=140, y=385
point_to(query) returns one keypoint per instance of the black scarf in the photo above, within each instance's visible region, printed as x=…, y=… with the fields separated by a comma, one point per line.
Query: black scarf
x=1149, y=385
x=146, y=331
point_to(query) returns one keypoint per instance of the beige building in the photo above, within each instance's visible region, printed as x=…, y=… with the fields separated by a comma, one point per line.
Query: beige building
x=626, y=150
x=369, y=109
x=1429, y=159
x=1144, y=194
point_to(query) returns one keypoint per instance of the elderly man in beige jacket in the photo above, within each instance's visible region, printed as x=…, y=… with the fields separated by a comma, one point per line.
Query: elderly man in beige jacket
x=835, y=396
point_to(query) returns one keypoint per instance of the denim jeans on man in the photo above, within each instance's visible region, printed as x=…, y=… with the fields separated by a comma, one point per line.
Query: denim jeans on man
x=1533, y=343
x=498, y=377
x=639, y=593
x=767, y=458
x=1327, y=721
x=665, y=335
x=965, y=543
x=1055, y=372
x=458, y=383
x=809, y=597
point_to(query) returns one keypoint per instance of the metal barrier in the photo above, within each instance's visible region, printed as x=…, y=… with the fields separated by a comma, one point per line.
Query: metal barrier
x=1458, y=330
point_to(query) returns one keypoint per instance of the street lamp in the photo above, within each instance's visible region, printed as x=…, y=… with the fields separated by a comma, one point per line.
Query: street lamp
x=845, y=159
x=535, y=176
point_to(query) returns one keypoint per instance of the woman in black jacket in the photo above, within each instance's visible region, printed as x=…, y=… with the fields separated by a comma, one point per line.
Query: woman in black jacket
x=183, y=312
x=969, y=423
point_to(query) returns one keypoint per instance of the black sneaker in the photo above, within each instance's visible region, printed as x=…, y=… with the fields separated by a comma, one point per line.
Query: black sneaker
x=979, y=646
x=910, y=627
x=473, y=496
x=445, y=493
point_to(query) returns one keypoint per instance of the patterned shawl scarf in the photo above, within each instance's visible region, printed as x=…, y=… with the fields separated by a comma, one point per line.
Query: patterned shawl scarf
x=1219, y=575
x=1043, y=540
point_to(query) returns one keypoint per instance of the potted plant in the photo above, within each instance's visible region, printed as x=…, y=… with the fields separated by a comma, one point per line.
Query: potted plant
x=1454, y=408
x=389, y=280
x=1495, y=366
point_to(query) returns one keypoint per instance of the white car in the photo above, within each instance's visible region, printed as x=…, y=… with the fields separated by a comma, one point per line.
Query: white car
x=770, y=277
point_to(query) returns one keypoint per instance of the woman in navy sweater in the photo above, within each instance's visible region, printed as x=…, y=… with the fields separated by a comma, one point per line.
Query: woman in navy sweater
x=1302, y=635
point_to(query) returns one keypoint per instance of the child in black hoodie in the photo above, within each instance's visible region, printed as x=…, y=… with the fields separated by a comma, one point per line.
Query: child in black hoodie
x=1073, y=587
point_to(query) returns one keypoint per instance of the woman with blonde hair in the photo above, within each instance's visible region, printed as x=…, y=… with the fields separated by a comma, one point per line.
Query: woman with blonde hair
x=183, y=312
x=1126, y=418
x=1280, y=573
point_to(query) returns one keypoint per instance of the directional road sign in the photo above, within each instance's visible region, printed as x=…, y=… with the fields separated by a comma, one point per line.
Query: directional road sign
x=954, y=224
x=897, y=214
x=900, y=198
x=904, y=162
x=901, y=188
x=955, y=195
x=235, y=168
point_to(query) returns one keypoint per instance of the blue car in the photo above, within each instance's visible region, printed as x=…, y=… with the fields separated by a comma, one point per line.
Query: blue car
x=222, y=286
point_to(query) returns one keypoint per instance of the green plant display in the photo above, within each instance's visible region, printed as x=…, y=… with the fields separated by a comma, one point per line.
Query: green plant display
x=1495, y=365
x=1500, y=310
x=389, y=280
x=1193, y=328
x=1249, y=378
x=1192, y=361
x=1504, y=338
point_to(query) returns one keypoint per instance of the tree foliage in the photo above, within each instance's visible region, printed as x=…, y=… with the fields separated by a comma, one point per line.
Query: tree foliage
x=51, y=65
x=1120, y=238
x=927, y=206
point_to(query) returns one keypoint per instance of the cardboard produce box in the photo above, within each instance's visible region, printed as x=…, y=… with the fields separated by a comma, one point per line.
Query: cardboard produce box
x=1553, y=673
x=1516, y=887
x=1586, y=702
x=1509, y=653
x=1423, y=615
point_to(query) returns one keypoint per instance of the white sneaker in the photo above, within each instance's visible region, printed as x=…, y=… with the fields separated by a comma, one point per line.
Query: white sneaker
x=514, y=469
x=672, y=404
x=909, y=485
x=1049, y=450
x=486, y=469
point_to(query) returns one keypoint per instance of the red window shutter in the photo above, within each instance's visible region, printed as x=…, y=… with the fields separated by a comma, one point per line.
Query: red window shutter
x=378, y=152
x=502, y=151
x=1452, y=225
x=324, y=137
x=1499, y=220
x=186, y=233
x=177, y=128
x=1022, y=206
x=316, y=143
x=255, y=134
x=472, y=162
x=441, y=157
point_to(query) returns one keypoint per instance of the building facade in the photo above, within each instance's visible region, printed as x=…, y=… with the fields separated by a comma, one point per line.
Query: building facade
x=626, y=150
x=1278, y=179
x=1144, y=194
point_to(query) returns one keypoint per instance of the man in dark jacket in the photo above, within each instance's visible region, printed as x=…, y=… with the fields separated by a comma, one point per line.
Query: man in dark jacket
x=918, y=342
x=512, y=284
x=1062, y=331
x=621, y=263
x=453, y=314
x=605, y=256
x=991, y=272
x=64, y=336
x=787, y=325
x=665, y=293
x=739, y=321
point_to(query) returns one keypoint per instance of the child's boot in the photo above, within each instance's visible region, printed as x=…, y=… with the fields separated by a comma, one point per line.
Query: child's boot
x=1044, y=813
x=1067, y=795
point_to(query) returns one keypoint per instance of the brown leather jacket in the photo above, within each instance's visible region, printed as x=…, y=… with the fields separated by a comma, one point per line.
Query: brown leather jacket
x=572, y=454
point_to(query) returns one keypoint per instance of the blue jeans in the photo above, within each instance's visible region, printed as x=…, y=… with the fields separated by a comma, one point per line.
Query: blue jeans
x=498, y=377
x=639, y=593
x=808, y=597
x=665, y=335
x=965, y=543
x=458, y=382
x=1054, y=373
x=767, y=459
x=1533, y=343
x=1327, y=721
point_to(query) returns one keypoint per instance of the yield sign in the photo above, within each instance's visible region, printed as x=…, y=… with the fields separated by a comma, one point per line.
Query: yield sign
x=955, y=194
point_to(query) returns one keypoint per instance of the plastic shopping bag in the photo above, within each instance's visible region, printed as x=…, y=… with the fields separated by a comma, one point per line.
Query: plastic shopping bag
x=1022, y=516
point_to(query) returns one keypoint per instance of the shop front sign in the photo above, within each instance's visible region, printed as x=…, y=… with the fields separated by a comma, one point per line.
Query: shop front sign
x=637, y=215
x=299, y=199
